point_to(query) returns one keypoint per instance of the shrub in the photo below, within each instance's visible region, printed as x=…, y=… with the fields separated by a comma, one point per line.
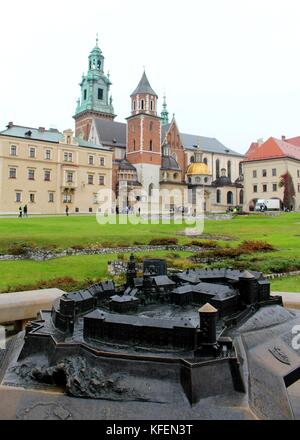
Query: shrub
x=256, y=246
x=18, y=249
x=205, y=244
x=164, y=242
x=78, y=247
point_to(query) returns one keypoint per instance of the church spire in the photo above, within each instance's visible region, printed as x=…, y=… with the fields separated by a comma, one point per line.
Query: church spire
x=165, y=113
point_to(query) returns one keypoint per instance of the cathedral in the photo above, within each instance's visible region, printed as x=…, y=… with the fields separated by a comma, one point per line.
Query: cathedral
x=153, y=161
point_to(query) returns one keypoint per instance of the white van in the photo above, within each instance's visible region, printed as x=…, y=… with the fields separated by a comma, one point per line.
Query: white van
x=267, y=205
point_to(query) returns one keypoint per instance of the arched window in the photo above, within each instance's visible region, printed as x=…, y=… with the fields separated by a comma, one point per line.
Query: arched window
x=133, y=106
x=192, y=159
x=142, y=104
x=134, y=144
x=229, y=169
x=229, y=198
x=151, y=145
x=205, y=160
x=151, y=105
x=218, y=196
x=151, y=188
x=198, y=179
x=218, y=168
x=241, y=197
x=175, y=176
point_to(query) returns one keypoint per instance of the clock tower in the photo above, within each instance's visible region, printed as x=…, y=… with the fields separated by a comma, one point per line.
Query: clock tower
x=95, y=101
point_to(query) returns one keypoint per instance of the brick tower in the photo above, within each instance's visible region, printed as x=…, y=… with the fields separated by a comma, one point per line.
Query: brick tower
x=144, y=136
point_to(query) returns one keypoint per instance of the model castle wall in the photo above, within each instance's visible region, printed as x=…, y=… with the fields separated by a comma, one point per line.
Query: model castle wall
x=110, y=313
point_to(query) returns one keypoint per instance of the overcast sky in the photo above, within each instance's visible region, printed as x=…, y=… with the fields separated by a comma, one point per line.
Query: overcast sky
x=230, y=68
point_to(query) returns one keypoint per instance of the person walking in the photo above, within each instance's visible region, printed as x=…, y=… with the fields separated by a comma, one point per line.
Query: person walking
x=20, y=212
x=67, y=211
x=25, y=211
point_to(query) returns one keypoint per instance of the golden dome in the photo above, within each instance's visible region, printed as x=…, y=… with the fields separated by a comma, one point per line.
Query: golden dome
x=198, y=168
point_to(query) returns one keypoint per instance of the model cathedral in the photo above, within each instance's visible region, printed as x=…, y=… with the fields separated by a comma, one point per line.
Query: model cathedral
x=149, y=151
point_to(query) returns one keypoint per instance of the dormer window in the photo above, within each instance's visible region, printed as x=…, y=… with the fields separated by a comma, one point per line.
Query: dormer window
x=68, y=140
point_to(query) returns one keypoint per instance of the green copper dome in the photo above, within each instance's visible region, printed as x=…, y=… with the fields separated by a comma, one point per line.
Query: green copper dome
x=95, y=86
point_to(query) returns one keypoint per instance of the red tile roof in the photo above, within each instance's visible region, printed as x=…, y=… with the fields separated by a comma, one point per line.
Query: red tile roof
x=252, y=148
x=294, y=141
x=274, y=148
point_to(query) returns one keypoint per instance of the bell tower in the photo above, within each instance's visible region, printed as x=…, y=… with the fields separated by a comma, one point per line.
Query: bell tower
x=95, y=101
x=144, y=135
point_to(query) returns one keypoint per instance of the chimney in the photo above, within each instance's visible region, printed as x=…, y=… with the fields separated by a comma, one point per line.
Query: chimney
x=42, y=129
x=10, y=124
x=283, y=138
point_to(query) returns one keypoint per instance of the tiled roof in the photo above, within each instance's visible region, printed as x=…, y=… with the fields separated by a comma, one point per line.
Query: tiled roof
x=169, y=163
x=52, y=135
x=294, y=141
x=111, y=133
x=274, y=148
x=252, y=148
x=207, y=144
x=144, y=87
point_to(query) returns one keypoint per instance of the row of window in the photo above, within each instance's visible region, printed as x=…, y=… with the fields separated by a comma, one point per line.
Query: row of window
x=264, y=173
x=70, y=178
x=150, y=145
x=68, y=157
x=100, y=94
x=32, y=197
x=31, y=152
x=67, y=198
x=140, y=105
x=47, y=176
x=30, y=174
x=265, y=187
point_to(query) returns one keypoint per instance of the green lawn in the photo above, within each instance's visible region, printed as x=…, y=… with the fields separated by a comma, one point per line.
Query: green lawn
x=64, y=232
x=283, y=232
x=290, y=284
x=23, y=275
